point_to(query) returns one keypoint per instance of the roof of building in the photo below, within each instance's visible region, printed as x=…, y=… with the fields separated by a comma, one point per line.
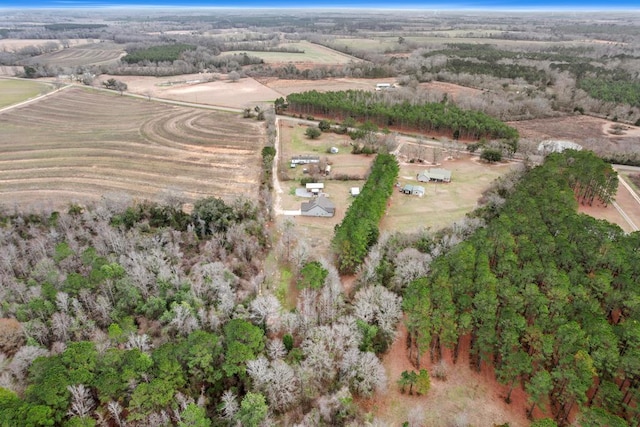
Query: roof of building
x=321, y=202
x=418, y=188
x=315, y=186
x=441, y=174
x=407, y=187
x=355, y=191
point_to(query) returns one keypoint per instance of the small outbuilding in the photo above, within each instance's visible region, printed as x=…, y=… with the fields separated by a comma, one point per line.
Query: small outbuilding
x=435, y=175
x=320, y=206
x=304, y=160
x=354, y=191
x=315, y=187
x=416, y=190
x=407, y=189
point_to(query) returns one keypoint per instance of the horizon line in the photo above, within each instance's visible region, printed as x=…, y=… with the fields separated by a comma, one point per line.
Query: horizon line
x=408, y=8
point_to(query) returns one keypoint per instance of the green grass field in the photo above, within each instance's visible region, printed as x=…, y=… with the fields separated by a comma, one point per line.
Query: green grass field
x=13, y=91
x=313, y=53
x=442, y=204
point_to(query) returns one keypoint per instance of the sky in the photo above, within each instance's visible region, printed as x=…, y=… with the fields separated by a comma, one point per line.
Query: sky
x=571, y=5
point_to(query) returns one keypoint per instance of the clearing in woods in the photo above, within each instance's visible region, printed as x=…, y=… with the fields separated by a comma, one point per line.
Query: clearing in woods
x=80, y=145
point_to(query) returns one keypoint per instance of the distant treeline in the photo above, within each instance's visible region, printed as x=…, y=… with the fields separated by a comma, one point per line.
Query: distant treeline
x=166, y=52
x=69, y=26
x=610, y=90
x=597, y=80
x=429, y=117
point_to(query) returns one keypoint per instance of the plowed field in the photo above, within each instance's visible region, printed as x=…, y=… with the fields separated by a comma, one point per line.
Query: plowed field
x=79, y=145
x=86, y=54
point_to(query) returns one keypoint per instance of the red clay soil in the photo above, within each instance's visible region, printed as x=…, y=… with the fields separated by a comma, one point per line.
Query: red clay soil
x=474, y=398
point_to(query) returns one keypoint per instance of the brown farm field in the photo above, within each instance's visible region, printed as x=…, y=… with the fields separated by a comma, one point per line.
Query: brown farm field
x=81, y=55
x=79, y=145
x=199, y=88
x=12, y=45
x=592, y=133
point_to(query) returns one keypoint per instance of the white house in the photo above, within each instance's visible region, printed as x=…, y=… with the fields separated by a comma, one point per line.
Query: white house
x=320, y=206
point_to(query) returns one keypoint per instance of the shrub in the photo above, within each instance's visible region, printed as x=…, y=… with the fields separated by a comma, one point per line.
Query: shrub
x=491, y=155
x=287, y=341
x=313, y=132
x=440, y=371
x=324, y=125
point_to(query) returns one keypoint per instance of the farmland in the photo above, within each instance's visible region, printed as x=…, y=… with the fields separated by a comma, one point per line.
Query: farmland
x=81, y=55
x=76, y=146
x=15, y=91
x=173, y=132
x=313, y=53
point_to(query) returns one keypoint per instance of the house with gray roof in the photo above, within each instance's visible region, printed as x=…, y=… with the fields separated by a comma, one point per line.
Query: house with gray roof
x=320, y=206
x=416, y=190
x=436, y=175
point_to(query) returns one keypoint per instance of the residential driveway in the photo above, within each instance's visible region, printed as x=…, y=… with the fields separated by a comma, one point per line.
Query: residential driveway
x=292, y=213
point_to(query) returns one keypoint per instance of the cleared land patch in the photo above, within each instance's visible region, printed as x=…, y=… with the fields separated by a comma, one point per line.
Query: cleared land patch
x=80, y=55
x=14, y=91
x=12, y=45
x=313, y=53
x=199, y=89
x=84, y=144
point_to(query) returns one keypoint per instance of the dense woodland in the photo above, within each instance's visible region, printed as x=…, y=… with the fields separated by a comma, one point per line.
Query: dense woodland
x=149, y=316
x=426, y=118
x=546, y=296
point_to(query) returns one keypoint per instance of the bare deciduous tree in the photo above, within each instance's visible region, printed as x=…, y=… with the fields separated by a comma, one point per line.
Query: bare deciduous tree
x=229, y=405
x=82, y=402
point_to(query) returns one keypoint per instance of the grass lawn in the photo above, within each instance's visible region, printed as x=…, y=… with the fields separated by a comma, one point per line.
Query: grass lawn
x=442, y=204
x=13, y=91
